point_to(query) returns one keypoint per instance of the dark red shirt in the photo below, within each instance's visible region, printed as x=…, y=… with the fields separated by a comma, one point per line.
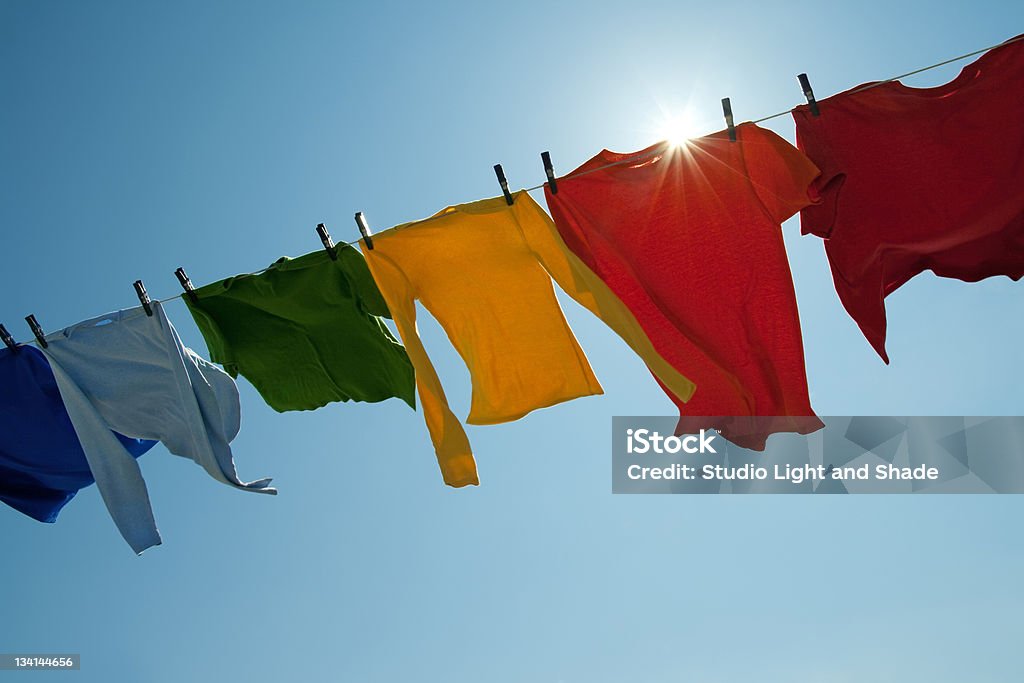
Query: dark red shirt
x=688, y=237
x=917, y=179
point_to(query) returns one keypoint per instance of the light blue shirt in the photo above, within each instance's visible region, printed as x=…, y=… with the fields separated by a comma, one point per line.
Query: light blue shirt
x=129, y=372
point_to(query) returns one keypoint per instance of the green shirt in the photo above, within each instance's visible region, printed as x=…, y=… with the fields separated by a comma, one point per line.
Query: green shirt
x=306, y=332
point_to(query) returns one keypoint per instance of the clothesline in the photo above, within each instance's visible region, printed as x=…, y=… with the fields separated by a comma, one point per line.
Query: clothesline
x=755, y=121
x=788, y=111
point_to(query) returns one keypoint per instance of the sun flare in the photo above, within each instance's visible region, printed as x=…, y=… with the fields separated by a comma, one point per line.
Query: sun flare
x=678, y=128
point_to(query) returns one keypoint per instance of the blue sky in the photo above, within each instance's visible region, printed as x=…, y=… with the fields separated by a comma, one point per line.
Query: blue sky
x=136, y=137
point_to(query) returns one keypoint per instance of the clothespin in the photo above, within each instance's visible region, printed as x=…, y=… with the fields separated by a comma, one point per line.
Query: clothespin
x=727, y=110
x=503, y=182
x=364, y=229
x=8, y=339
x=36, y=330
x=805, y=85
x=549, y=171
x=140, y=291
x=325, y=237
x=186, y=284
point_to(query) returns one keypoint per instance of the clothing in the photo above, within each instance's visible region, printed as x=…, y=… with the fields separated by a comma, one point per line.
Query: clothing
x=917, y=179
x=306, y=332
x=688, y=238
x=42, y=465
x=484, y=271
x=130, y=372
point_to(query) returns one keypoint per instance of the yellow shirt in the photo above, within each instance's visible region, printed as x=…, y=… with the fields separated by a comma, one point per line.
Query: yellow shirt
x=484, y=271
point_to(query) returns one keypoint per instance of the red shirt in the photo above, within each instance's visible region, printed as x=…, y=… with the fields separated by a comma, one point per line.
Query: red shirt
x=919, y=179
x=688, y=237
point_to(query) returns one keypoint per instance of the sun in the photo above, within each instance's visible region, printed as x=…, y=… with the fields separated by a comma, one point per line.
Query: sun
x=677, y=128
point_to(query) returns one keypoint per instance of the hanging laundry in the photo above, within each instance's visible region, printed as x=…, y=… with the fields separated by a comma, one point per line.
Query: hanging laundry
x=306, y=332
x=688, y=237
x=42, y=465
x=917, y=179
x=130, y=373
x=484, y=271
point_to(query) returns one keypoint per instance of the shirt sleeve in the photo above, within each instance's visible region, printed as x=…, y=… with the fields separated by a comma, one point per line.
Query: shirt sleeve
x=206, y=417
x=780, y=174
x=117, y=474
x=588, y=290
x=820, y=218
x=454, y=455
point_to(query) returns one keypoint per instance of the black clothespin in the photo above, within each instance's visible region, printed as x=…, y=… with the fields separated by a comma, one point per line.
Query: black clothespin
x=325, y=237
x=36, y=330
x=805, y=85
x=727, y=110
x=364, y=229
x=140, y=291
x=549, y=170
x=8, y=339
x=186, y=284
x=503, y=182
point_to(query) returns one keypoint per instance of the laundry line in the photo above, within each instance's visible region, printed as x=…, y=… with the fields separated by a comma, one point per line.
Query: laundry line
x=635, y=158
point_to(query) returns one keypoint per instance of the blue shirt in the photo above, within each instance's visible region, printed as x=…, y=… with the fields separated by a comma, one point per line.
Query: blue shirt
x=42, y=465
